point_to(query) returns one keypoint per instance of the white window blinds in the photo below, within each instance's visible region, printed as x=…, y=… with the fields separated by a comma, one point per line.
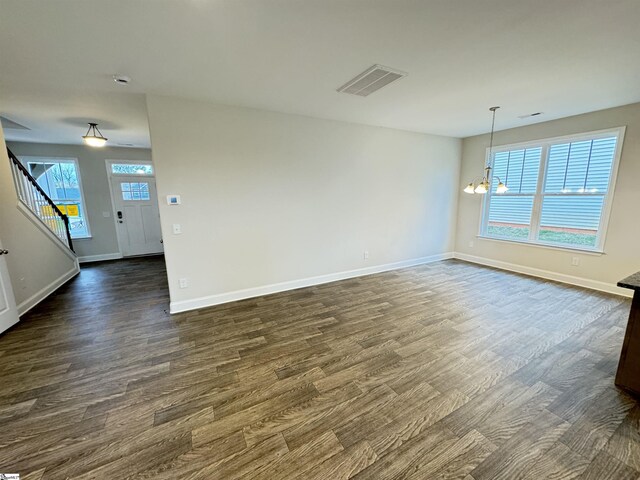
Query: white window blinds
x=559, y=191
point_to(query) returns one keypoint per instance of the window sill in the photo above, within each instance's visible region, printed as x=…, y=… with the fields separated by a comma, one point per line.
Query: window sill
x=88, y=237
x=588, y=251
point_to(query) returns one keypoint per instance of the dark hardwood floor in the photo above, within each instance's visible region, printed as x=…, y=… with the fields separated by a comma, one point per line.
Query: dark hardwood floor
x=447, y=370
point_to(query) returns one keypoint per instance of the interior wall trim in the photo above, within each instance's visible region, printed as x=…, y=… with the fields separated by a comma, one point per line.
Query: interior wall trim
x=100, y=258
x=26, y=211
x=546, y=274
x=211, y=300
x=44, y=292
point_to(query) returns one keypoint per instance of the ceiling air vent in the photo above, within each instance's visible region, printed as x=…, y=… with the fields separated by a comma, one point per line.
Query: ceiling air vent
x=528, y=115
x=370, y=80
x=7, y=124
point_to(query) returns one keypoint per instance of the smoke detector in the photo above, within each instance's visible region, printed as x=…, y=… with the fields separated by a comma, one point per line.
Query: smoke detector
x=121, y=79
x=371, y=80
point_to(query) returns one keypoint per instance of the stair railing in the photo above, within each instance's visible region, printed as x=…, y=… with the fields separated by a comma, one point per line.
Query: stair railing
x=37, y=200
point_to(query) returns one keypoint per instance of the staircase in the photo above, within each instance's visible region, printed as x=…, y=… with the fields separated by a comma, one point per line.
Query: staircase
x=35, y=199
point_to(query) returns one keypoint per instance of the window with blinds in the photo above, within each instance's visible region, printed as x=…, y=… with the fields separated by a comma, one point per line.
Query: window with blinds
x=510, y=213
x=559, y=190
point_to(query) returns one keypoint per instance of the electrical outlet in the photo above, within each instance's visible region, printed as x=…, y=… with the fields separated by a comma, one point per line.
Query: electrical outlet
x=177, y=229
x=366, y=255
x=575, y=261
x=470, y=243
x=184, y=283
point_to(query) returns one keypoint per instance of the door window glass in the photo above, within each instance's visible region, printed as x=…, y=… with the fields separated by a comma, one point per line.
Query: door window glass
x=134, y=191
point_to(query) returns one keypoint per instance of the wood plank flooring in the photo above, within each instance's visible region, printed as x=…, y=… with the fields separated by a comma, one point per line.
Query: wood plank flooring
x=447, y=370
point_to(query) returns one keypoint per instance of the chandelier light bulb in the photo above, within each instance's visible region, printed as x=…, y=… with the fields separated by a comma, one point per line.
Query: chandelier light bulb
x=94, y=137
x=482, y=187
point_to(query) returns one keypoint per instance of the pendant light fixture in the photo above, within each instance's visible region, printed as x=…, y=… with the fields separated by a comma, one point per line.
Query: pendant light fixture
x=485, y=183
x=94, y=137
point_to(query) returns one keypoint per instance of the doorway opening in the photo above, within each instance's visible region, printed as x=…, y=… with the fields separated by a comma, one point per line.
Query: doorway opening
x=135, y=207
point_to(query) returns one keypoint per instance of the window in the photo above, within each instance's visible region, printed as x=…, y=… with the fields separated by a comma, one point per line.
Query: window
x=134, y=190
x=60, y=179
x=559, y=193
x=131, y=169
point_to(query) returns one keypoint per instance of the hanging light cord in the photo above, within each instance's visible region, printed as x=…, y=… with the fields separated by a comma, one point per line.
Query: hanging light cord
x=484, y=184
x=101, y=135
x=94, y=127
x=493, y=124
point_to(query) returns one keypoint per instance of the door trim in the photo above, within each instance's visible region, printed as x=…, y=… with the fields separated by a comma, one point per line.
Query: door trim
x=10, y=315
x=108, y=162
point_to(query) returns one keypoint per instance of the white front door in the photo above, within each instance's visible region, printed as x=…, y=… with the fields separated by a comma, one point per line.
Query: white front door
x=8, y=310
x=137, y=214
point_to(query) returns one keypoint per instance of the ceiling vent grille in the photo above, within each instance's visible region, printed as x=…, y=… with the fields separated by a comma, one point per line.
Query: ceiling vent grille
x=529, y=115
x=10, y=124
x=371, y=80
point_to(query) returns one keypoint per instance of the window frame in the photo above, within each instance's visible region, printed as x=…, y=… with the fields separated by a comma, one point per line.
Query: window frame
x=110, y=162
x=25, y=159
x=545, y=144
x=131, y=190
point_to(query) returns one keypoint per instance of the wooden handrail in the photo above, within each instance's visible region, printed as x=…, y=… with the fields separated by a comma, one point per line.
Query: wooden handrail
x=34, y=183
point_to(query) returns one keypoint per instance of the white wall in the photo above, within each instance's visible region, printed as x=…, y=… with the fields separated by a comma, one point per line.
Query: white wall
x=622, y=250
x=269, y=198
x=95, y=183
x=37, y=264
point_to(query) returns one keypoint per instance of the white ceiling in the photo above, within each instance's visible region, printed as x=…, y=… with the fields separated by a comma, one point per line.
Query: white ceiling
x=462, y=56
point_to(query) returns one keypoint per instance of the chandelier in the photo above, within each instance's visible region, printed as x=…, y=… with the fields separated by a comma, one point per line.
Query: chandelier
x=485, y=183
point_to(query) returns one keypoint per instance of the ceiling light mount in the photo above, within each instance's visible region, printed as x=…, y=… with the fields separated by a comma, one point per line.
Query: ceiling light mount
x=94, y=137
x=485, y=183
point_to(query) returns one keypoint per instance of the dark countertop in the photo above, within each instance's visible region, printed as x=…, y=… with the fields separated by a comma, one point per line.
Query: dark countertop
x=632, y=282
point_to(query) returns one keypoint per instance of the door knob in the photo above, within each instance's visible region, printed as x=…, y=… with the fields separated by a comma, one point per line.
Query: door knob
x=4, y=252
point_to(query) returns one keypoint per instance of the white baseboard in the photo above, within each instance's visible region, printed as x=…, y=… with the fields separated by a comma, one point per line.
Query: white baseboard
x=99, y=258
x=211, y=300
x=546, y=274
x=43, y=293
